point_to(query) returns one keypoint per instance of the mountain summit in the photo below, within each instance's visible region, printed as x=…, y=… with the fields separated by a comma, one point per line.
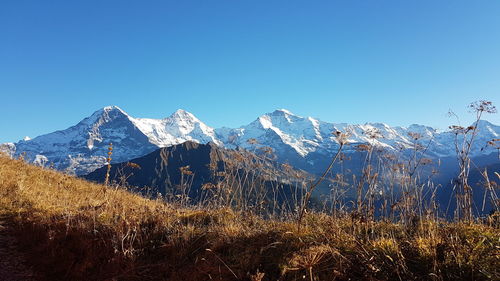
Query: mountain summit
x=83, y=147
x=179, y=127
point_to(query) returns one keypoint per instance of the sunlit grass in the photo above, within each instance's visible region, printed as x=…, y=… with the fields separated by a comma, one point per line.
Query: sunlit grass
x=76, y=230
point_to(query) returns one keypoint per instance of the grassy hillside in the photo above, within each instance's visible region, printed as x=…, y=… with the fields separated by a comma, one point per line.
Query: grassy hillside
x=75, y=230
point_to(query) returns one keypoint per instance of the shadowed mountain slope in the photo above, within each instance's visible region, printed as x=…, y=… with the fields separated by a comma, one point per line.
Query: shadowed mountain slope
x=191, y=171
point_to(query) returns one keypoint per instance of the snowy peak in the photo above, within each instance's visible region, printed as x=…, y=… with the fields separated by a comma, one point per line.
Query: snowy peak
x=112, y=108
x=105, y=114
x=179, y=127
x=485, y=126
x=83, y=147
x=281, y=116
x=424, y=131
x=182, y=122
x=283, y=111
x=181, y=114
x=281, y=130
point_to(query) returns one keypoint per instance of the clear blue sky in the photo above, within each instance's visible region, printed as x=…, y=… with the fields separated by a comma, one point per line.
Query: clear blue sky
x=356, y=61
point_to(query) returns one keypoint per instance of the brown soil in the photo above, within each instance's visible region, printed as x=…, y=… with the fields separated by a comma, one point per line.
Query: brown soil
x=13, y=265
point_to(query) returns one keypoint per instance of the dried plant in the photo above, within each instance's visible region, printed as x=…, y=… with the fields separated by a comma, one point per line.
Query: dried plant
x=108, y=163
x=464, y=140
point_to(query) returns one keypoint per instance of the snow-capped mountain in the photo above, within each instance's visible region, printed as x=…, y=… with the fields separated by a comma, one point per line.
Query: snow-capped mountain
x=83, y=147
x=306, y=135
x=179, y=127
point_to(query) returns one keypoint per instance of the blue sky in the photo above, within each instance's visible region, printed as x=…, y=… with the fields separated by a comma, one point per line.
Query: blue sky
x=398, y=62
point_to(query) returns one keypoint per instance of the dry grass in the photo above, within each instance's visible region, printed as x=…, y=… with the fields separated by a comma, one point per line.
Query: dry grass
x=76, y=230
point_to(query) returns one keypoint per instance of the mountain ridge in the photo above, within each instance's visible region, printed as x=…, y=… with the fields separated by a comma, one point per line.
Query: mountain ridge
x=83, y=147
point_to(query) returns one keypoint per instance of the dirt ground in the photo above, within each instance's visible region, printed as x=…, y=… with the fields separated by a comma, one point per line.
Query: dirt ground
x=12, y=262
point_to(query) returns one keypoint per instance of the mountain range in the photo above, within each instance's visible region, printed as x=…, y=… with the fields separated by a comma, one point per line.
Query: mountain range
x=304, y=142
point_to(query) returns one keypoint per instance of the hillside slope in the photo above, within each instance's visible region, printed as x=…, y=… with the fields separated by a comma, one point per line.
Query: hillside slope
x=71, y=229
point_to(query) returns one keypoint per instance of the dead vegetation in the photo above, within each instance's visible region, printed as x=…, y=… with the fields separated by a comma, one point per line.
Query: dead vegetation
x=76, y=230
